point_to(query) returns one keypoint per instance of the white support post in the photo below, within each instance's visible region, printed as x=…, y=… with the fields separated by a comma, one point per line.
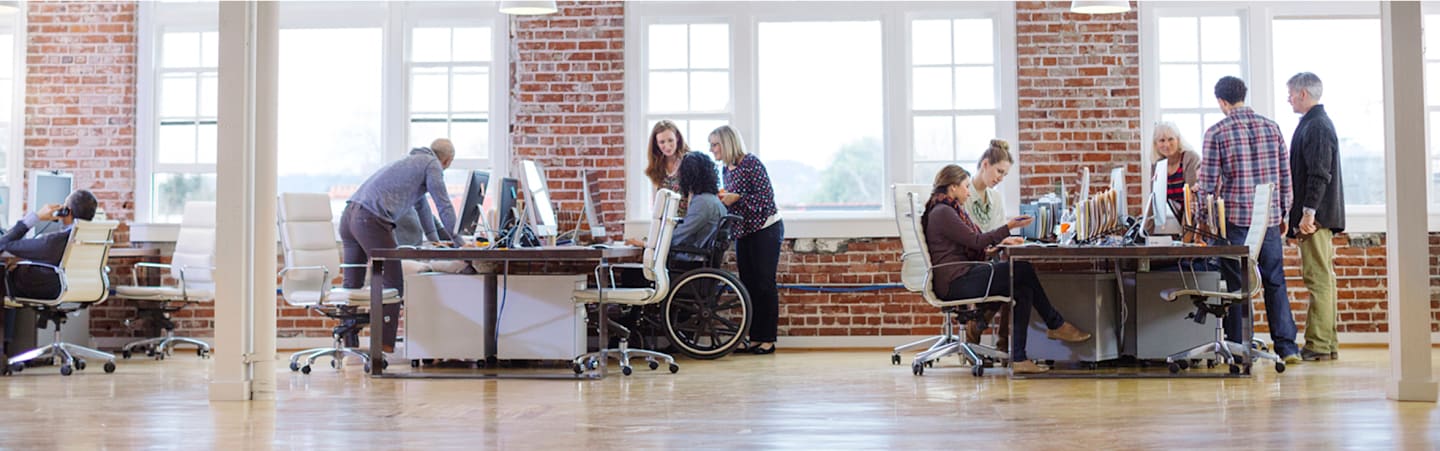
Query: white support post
x=245, y=289
x=1407, y=264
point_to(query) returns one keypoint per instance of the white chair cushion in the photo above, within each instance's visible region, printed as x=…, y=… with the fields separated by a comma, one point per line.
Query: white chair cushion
x=163, y=293
x=340, y=296
x=628, y=296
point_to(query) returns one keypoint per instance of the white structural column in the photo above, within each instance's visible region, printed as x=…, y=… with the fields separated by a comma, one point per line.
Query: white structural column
x=244, y=367
x=1406, y=244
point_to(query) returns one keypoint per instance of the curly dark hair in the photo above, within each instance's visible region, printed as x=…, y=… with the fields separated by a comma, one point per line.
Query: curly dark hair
x=698, y=175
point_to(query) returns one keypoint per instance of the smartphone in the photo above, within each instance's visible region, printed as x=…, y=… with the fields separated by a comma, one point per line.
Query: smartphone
x=63, y=211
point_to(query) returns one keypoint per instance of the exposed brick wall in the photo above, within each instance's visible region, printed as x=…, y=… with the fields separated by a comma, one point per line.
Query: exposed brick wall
x=567, y=102
x=80, y=98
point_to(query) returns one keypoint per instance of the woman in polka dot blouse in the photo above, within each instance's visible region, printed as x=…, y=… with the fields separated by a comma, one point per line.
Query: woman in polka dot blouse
x=748, y=193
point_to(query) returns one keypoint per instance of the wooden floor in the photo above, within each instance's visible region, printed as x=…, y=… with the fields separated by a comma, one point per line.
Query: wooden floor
x=809, y=400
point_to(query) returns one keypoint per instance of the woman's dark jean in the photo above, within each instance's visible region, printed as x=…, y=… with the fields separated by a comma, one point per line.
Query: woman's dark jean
x=757, y=256
x=1028, y=294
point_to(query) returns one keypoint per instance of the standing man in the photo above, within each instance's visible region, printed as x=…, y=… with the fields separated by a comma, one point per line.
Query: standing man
x=1320, y=195
x=372, y=212
x=1241, y=151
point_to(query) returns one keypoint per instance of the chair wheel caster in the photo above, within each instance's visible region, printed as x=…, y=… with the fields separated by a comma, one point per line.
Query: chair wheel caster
x=930, y=364
x=1184, y=364
x=654, y=365
x=203, y=353
x=384, y=365
x=579, y=368
x=335, y=363
x=627, y=370
x=110, y=366
x=1174, y=368
x=367, y=368
x=414, y=363
x=977, y=370
x=1279, y=367
x=305, y=369
x=1234, y=369
x=1209, y=363
x=294, y=366
x=17, y=367
x=79, y=365
x=66, y=370
x=125, y=354
x=674, y=368
x=895, y=359
x=917, y=368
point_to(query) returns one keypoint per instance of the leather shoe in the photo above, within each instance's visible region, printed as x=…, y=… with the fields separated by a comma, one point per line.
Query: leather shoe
x=761, y=349
x=973, y=329
x=1027, y=367
x=1067, y=333
x=1306, y=354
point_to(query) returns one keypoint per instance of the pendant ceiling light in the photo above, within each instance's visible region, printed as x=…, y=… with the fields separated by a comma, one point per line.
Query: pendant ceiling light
x=1099, y=7
x=528, y=7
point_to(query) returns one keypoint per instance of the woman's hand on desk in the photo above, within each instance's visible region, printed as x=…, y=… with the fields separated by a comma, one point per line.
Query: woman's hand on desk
x=1012, y=241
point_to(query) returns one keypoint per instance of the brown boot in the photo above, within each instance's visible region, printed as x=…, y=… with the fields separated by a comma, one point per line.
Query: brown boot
x=1027, y=367
x=973, y=329
x=1002, y=335
x=1068, y=333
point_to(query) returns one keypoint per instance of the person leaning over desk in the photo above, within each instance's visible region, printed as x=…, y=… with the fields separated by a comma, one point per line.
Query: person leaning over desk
x=987, y=208
x=1320, y=194
x=758, y=237
x=953, y=237
x=371, y=213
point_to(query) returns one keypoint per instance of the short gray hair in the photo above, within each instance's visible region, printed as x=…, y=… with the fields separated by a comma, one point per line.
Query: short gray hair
x=1308, y=82
x=443, y=149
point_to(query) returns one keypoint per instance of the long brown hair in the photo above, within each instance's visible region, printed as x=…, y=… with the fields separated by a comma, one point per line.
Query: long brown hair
x=656, y=170
x=951, y=174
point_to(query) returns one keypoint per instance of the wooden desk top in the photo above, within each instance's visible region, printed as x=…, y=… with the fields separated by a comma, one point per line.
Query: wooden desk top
x=559, y=253
x=1073, y=252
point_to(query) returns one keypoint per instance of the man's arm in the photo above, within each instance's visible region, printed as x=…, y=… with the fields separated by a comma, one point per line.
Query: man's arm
x=47, y=248
x=1319, y=158
x=422, y=211
x=435, y=184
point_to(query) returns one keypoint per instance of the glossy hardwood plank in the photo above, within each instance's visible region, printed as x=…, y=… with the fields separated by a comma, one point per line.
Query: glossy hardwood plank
x=808, y=400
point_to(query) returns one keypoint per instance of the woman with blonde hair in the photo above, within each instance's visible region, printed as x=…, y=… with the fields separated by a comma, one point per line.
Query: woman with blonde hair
x=749, y=194
x=953, y=237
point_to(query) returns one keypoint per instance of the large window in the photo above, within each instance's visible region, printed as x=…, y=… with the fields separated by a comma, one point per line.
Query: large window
x=360, y=84
x=12, y=43
x=1187, y=48
x=1432, y=100
x=839, y=100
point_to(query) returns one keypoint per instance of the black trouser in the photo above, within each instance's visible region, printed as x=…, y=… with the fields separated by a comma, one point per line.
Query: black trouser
x=757, y=256
x=360, y=230
x=1028, y=294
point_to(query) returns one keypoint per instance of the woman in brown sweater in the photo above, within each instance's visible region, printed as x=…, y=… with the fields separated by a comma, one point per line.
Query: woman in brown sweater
x=953, y=237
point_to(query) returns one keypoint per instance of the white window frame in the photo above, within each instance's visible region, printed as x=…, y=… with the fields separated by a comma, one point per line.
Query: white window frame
x=396, y=19
x=15, y=158
x=1257, y=51
x=744, y=19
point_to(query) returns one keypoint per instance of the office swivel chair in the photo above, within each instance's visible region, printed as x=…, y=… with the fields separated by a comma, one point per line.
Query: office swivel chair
x=84, y=281
x=917, y=275
x=657, y=250
x=312, y=261
x=1217, y=303
x=192, y=267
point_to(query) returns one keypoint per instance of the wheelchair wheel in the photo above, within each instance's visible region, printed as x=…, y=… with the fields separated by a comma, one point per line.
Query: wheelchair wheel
x=707, y=313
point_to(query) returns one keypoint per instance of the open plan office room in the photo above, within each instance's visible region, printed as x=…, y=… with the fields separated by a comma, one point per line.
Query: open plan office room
x=646, y=224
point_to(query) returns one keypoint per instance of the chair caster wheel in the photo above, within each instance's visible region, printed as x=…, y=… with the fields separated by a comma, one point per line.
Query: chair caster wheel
x=654, y=365
x=917, y=368
x=1279, y=367
x=335, y=363
x=79, y=365
x=1209, y=363
x=930, y=364
x=367, y=368
x=384, y=365
x=17, y=367
x=1234, y=369
x=305, y=369
x=66, y=370
x=674, y=368
x=1246, y=369
x=1184, y=364
x=579, y=368
x=203, y=353
x=294, y=366
x=627, y=370
x=895, y=359
x=1174, y=368
x=414, y=363
x=110, y=366
x=977, y=370
x=125, y=354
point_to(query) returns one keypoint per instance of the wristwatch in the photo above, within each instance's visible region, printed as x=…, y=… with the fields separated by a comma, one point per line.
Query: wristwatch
x=1309, y=211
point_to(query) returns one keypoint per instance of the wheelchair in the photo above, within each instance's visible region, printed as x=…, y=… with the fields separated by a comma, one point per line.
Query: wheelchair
x=706, y=314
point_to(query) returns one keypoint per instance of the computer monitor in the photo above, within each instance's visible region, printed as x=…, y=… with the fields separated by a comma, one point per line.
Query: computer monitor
x=537, y=197
x=49, y=187
x=1159, y=205
x=471, y=214
x=591, y=193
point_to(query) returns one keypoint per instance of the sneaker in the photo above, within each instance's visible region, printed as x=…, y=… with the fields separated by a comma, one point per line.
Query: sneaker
x=1307, y=354
x=1027, y=367
x=1292, y=359
x=1068, y=333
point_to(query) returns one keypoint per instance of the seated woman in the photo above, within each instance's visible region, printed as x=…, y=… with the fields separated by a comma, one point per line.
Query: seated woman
x=953, y=237
x=699, y=184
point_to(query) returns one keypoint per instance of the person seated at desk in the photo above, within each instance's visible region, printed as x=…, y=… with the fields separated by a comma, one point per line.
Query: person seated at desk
x=700, y=185
x=37, y=281
x=953, y=237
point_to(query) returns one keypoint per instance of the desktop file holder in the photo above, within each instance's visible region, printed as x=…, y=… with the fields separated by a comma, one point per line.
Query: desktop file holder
x=1196, y=229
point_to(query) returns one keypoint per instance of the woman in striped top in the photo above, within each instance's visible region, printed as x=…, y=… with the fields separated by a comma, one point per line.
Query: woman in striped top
x=1184, y=162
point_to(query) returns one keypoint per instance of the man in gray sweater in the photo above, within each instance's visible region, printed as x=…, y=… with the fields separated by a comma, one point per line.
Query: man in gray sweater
x=372, y=212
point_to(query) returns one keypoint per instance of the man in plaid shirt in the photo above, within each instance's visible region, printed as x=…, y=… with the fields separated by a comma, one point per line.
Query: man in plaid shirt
x=1241, y=151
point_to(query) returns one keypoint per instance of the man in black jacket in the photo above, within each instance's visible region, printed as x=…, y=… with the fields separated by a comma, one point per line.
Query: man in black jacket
x=1320, y=196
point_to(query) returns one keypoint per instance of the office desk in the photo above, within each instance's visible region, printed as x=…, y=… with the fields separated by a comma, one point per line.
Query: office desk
x=560, y=254
x=1116, y=253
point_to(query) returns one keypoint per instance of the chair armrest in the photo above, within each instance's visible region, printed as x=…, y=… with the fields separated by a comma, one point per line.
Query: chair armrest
x=324, y=279
x=988, y=283
x=135, y=270
x=183, y=292
x=354, y=265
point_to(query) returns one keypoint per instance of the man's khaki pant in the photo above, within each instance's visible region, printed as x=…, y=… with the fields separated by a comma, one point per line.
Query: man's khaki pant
x=1317, y=267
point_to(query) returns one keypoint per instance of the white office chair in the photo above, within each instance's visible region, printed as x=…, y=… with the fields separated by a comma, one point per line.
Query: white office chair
x=84, y=281
x=1220, y=349
x=916, y=273
x=657, y=251
x=312, y=261
x=192, y=267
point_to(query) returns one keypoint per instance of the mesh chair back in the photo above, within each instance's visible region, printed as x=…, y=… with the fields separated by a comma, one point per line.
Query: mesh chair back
x=195, y=247
x=308, y=237
x=915, y=261
x=84, y=261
